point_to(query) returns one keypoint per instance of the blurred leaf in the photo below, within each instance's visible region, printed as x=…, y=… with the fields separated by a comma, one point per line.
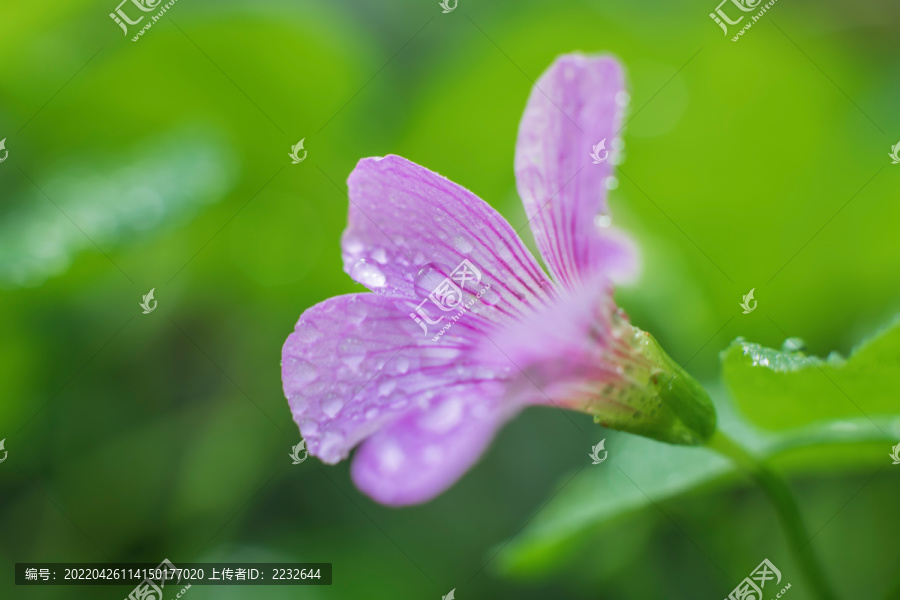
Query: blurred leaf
x=162, y=183
x=638, y=470
x=641, y=473
x=784, y=389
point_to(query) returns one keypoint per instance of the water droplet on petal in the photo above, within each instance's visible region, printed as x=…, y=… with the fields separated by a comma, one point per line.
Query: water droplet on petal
x=307, y=333
x=402, y=364
x=352, y=352
x=332, y=406
x=329, y=443
x=387, y=386
x=611, y=183
x=601, y=221
x=485, y=372
x=309, y=429
x=427, y=279
x=299, y=372
x=444, y=417
x=380, y=255
x=623, y=98
x=353, y=246
x=368, y=274
x=462, y=244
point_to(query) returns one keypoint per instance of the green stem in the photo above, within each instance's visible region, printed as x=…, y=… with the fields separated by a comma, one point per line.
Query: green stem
x=785, y=505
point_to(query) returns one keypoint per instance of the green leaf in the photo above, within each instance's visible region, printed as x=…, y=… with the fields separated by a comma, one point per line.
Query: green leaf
x=638, y=473
x=797, y=410
x=641, y=473
x=107, y=201
x=780, y=390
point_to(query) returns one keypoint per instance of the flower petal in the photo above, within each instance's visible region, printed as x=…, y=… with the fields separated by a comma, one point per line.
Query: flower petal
x=567, y=345
x=582, y=354
x=575, y=105
x=410, y=228
x=357, y=363
x=420, y=456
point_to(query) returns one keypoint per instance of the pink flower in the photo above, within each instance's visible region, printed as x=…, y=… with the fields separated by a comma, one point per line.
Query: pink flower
x=464, y=329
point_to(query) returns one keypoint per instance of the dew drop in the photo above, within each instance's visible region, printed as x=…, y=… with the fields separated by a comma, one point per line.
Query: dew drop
x=623, y=98
x=427, y=279
x=330, y=442
x=309, y=429
x=601, y=221
x=611, y=183
x=794, y=344
x=402, y=364
x=462, y=244
x=368, y=274
x=485, y=372
x=332, y=406
x=299, y=372
x=444, y=417
x=307, y=333
x=386, y=387
x=352, y=352
x=380, y=255
x=353, y=246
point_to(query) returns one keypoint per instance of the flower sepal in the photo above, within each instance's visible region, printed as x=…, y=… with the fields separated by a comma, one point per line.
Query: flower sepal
x=655, y=397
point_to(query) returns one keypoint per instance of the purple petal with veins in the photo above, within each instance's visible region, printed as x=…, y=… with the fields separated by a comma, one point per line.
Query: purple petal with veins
x=464, y=328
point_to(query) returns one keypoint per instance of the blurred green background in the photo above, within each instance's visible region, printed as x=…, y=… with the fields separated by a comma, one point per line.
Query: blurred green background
x=163, y=164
